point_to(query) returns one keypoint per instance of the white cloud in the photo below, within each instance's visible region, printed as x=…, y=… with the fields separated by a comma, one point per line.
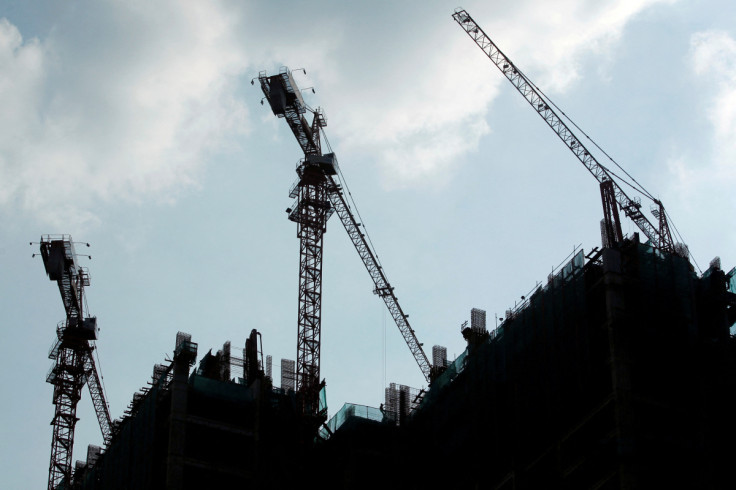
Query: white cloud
x=704, y=179
x=711, y=175
x=435, y=93
x=123, y=103
x=427, y=117
x=554, y=37
x=714, y=60
x=22, y=76
x=127, y=101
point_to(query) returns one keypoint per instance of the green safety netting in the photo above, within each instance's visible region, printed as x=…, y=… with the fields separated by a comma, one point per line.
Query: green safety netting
x=348, y=411
x=323, y=400
x=455, y=368
x=553, y=305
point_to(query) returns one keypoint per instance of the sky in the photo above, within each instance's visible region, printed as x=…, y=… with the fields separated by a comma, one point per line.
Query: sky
x=134, y=126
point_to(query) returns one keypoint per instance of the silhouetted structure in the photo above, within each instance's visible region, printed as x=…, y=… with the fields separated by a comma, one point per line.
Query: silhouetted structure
x=619, y=373
x=73, y=355
x=201, y=429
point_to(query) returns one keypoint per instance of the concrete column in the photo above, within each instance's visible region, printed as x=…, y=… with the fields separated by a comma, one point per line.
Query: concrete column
x=177, y=424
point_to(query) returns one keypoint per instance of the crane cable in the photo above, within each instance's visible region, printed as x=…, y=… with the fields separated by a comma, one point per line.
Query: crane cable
x=85, y=313
x=384, y=347
x=365, y=233
x=638, y=187
x=682, y=240
x=343, y=182
x=102, y=378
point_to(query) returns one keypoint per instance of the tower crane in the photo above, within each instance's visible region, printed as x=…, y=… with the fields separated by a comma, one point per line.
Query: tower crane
x=319, y=194
x=611, y=193
x=72, y=352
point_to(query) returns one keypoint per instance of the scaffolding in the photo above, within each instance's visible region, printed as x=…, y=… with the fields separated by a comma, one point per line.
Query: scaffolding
x=269, y=367
x=478, y=320
x=288, y=375
x=439, y=357
x=401, y=401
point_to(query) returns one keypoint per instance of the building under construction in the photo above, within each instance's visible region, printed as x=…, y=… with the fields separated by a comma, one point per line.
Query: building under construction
x=620, y=372
x=208, y=427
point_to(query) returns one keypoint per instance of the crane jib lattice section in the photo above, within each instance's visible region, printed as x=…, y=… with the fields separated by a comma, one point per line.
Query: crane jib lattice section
x=98, y=396
x=382, y=286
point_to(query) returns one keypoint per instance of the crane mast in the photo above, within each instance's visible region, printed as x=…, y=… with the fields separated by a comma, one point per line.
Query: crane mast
x=660, y=237
x=310, y=212
x=328, y=197
x=72, y=352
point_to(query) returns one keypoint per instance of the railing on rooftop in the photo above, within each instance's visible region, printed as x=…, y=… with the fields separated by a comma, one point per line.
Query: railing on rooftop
x=348, y=411
x=559, y=275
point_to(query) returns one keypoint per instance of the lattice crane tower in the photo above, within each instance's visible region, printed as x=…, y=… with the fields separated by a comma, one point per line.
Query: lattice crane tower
x=319, y=194
x=310, y=212
x=72, y=352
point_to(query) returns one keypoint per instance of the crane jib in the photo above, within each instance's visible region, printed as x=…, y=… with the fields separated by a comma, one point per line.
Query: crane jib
x=382, y=286
x=659, y=238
